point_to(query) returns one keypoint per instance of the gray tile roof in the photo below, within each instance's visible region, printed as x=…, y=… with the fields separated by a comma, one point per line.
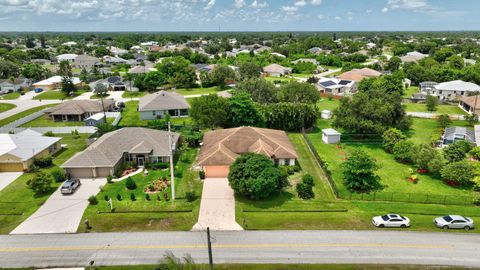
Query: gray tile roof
x=459, y=133
x=108, y=150
x=163, y=100
x=79, y=107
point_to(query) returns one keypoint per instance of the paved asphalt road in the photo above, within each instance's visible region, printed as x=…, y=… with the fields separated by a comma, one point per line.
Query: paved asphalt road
x=378, y=247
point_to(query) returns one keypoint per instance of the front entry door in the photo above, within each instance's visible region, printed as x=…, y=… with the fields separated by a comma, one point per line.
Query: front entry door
x=140, y=161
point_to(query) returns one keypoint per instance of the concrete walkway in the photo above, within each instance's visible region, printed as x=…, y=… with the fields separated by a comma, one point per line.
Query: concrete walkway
x=61, y=213
x=217, y=208
x=8, y=177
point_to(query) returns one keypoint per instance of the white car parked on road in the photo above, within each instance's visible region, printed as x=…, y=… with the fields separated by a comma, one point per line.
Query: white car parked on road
x=454, y=222
x=391, y=221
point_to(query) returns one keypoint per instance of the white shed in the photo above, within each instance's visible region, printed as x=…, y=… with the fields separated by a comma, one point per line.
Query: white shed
x=95, y=119
x=330, y=136
x=326, y=114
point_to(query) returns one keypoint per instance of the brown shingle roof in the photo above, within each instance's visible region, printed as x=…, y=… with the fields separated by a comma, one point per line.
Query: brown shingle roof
x=359, y=74
x=79, y=107
x=108, y=150
x=221, y=147
x=163, y=100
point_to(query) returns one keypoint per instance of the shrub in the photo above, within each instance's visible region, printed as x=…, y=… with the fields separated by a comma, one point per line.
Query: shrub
x=93, y=200
x=305, y=191
x=391, y=137
x=290, y=170
x=255, y=176
x=403, y=151
x=130, y=184
x=49, y=134
x=165, y=196
x=475, y=153
x=43, y=162
x=132, y=197
x=201, y=174
x=444, y=120
x=58, y=175
x=359, y=172
x=190, y=196
x=106, y=198
x=461, y=172
x=157, y=165
x=33, y=168
x=41, y=183
x=119, y=197
x=308, y=179
x=158, y=197
x=457, y=151
x=109, y=179
x=147, y=197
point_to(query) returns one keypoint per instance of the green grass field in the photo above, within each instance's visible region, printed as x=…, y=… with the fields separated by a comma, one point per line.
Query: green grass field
x=44, y=121
x=10, y=96
x=326, y=104
x=197, y=91
x=153, y=214
x=57, y=94
x=17, y=201
x=407, y=93
x=127, y=94
x=441, y=109
x=23, y=114
x=6, y=106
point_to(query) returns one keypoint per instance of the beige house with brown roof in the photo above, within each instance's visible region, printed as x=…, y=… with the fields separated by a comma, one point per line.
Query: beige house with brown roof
x=134, y=144
x=276, y=70
x=78, y=110
x=359, y=74
x=221, y=147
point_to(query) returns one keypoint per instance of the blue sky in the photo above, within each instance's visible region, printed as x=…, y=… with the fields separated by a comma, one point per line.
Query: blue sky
x=238, y=15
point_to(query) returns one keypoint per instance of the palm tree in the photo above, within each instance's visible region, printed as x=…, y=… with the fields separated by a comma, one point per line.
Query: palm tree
x=101, y=90
x=12, y=80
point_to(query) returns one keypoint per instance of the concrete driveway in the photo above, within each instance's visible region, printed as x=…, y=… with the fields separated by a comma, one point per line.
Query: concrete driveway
x=23, y=105
x=8, y=177
x=84, y=96
x=217, y=208
x=61, y=213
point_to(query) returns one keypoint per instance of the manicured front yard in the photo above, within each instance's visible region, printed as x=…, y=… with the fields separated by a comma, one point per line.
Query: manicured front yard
x=441, y=109
x=44, y=121
x=155, y=213
x=9, y=96
x=57, y=94
x=197, y=91
x=407, y=93
x=326, y=104
x=6, y=106
x=131, y=117
x=23, y=114
x=17, y=201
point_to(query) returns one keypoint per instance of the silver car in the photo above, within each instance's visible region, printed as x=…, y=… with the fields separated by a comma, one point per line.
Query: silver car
x=70, y=186
x=454, y=222
x=391, y=220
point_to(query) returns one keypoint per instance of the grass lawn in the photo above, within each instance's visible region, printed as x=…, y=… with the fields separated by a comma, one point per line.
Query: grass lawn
x=300, y=75
x=143, y=214
x=17, y=201
x=10, y=96
x=282, y=79
x=44, y=121
x=441, y=109
x=6, y=106
x=130, y=115
x=23, y=114
x=57, y=94
x=407, y=93
x=326, y=104
x=293, y=267
x=197, y=91
x=127, y=94
x=95, y=96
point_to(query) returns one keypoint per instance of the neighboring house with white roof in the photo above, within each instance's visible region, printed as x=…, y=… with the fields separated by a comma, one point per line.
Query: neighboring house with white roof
x=7, y=86
x=413, y=57
x=278, y=55
x=131, y=144
x=305, y=60
x=113, y=60
x=86, y=61
x=69, y=57
x=453, y=134
x=18, y=151
x=337, y=87
x=55, y=82
x=117, y=51
x=69, y=43
x=276, y=70
x=454, y=89
x=158, y=105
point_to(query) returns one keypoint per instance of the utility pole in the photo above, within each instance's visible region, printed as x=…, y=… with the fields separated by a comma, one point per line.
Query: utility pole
x=210, y=257
x=172, y=176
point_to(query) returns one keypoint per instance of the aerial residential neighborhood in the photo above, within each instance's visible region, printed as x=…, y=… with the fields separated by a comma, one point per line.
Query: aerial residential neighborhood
x=290, y=134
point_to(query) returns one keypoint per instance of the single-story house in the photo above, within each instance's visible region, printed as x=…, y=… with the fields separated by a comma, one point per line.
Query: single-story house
x=133, y=144
x=276, y=70
x=330, y=136
x=453, y=134
x=305, y=60
x=113, y=60
x=427, y=87
x=471, y=104
x=317, y=50
x=413, y=57
x=7, y=86
x=141, y=69
x=221, y=147
x=55, y=82
x=86, y=61
x=18, y=151
x=69, y=57
x=359, y=74
x=336, y=86
x=113, y=83
x=454, y=89
x=158, y=104
x=78, y=110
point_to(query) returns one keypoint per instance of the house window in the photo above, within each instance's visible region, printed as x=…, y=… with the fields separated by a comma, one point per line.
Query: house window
x=463, y=93
x=153, y=113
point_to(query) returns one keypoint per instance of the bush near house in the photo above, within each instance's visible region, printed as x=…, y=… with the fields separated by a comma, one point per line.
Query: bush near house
x=43, y=162
x=41, y=183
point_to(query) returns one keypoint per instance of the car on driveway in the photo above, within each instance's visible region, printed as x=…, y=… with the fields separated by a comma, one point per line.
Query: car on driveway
x=70, y=186
x=38, y=90
x=454, y=222
x=391, y=221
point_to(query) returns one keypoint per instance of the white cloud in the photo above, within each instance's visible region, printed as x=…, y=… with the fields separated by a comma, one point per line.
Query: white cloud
x=256, y=4
x=239, y=3
x=289, y=8
x=300, y=3
x=413, y=5
x=316, y=2
x=368, y=11
x=337, y=18
x=209, y=5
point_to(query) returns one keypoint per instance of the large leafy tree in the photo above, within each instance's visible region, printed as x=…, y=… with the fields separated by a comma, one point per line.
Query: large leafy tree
x=371, y=112
x=177, y=71
x=248, y=70
x=41, y=183
x=289, y=116
x=210, y=111
x=403, y=151
x=34, y=71
x=457, y=151
x=256, y=177
x=243, y=111
x=426, y=157
x=259, y=89
x=391, y=137
x=220, y=75
x=65, y=70
x=461, y=172
x=359, y=172
x=8, y=69
x=297, y=92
